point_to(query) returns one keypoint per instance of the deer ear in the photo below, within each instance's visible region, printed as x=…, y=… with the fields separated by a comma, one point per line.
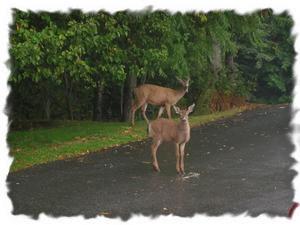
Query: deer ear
x=191, y=108
x=180, y=81
x=176, y=109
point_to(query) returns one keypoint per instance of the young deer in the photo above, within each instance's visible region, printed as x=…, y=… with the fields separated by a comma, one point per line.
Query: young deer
x=168, y=130
x=157, y=95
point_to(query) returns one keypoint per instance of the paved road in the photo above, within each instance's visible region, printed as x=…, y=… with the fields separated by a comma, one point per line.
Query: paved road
x=232, y=166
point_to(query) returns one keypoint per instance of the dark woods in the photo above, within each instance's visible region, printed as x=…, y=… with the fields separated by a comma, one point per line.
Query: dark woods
x=80, y=66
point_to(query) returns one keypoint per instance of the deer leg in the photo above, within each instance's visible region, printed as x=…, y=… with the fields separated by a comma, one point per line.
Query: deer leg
x=134, y=107
x=160, y=112
x=154, y=148
x=168, y=108
x=177, y=159
x=144, y=107
x=181, y=146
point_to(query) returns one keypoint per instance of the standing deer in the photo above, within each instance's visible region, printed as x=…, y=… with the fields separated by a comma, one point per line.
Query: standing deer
x=168, y=130
x=157, y=95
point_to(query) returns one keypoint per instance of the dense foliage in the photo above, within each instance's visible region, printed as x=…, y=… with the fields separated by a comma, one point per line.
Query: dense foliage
x=85, y=66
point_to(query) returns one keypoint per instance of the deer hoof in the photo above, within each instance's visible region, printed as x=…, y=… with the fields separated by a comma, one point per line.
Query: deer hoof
x=156, y=169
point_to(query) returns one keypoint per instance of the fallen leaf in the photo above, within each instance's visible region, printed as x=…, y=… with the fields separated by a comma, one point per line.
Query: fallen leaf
x=104, y=213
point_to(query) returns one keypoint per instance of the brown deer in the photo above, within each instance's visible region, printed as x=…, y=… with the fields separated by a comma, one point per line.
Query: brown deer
x=168, y=130
x=157, y=95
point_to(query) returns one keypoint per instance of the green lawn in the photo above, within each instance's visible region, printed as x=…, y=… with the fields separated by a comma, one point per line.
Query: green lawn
x=74, y=138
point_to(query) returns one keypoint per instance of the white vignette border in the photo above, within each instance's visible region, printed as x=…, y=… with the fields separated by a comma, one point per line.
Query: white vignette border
x=240, y=6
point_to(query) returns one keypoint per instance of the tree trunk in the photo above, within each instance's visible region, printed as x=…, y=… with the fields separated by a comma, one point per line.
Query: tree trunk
x=216, y=60
x=130, y=84
x=203, y=105
x=97, y=103
x=143, y=79
x=230, y=62
x=47, y=109
x=121, y=100
x=69, y=107
x=68, y=97
x=231, y=67
x=46, y=87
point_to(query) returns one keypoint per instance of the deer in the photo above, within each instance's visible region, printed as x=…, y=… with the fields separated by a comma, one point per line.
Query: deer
x=163, y=129
x=156, y=95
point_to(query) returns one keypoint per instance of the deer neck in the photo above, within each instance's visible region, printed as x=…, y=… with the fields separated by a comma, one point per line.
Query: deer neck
x=179, y=93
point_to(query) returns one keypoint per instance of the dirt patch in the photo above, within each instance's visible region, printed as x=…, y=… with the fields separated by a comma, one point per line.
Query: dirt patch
x=222, y=102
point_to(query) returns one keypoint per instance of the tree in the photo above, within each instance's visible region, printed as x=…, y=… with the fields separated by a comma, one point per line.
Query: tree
x=145, y=50
x=104, y=56
x=85, y=66
x=33, y=51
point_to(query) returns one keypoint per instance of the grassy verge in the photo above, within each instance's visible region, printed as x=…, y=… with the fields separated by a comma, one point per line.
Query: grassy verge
x=75, y=138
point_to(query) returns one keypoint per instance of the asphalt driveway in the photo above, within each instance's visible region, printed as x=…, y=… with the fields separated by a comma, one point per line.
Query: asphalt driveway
x=232, y=166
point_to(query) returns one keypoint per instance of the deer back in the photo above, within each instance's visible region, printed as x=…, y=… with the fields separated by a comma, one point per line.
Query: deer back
x=157, y=95
x=163, y=129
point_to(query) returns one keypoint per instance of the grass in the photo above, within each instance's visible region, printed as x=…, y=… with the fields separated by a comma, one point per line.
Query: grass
x=74, y=138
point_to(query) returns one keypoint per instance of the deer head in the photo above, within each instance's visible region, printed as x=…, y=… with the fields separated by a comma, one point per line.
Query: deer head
x=184, y=113
x=184, y=83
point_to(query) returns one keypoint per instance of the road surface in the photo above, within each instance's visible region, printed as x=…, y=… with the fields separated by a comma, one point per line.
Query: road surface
x=236, y=165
